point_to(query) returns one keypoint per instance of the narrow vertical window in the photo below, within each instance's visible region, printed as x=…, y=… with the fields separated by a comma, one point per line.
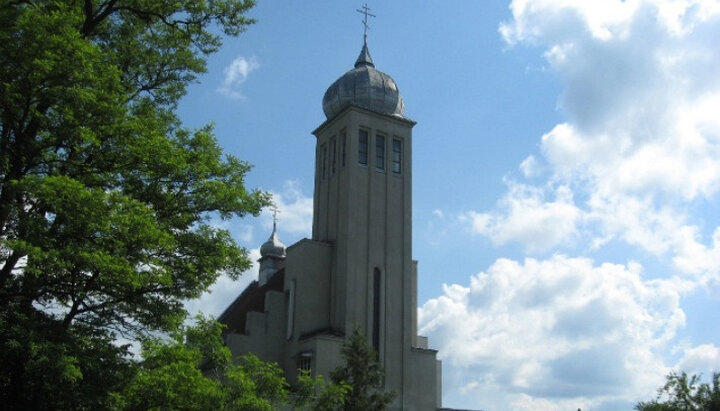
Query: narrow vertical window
x=323, y=155
x=376, y=310
x=363, y=147
x=333, y=156
x=380, y=153
x=342, y=149
x=397, y=156
x=290, y=310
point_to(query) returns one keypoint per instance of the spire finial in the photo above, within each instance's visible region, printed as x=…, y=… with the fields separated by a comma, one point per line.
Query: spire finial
x=366, y=11
x=364, y=58
x=275, y=213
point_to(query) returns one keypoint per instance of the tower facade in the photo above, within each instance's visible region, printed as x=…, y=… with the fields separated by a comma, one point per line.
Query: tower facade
x=357, y=269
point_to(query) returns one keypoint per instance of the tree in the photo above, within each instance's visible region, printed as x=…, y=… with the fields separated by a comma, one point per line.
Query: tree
x=105, y=199
x=683, y=393
x=364, y=374
x=318, y=395
x=194, y=370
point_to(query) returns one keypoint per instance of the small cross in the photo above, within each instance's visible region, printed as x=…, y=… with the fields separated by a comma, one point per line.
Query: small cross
x=366, y=11
x=275, y=213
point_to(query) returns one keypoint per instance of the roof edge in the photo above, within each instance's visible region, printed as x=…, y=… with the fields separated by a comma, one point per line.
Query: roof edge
x=326, y=123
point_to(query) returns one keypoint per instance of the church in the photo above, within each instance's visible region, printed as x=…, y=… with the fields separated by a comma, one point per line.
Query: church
x=357, y=269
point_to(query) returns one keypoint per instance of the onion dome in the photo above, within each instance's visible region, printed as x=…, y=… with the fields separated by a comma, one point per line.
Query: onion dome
x=366, y=87
x=273, y=247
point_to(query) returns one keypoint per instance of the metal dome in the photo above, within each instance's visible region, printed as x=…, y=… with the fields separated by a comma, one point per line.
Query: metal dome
x=273, y=247
x=366, y=87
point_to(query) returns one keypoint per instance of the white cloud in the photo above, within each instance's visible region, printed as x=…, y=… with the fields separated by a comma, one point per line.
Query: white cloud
x=236, y=74
x=295, y=210
x=641, y=144
x=702, y=359
x=527, y=217
x=554, y=333
x=636, y=157
x=699, y=259
x=530, y=167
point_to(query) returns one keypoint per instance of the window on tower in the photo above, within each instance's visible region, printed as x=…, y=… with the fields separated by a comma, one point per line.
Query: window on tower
x=380, y=153
x=342, y=148
x=323, y=161
x=363, y=147
x=397, y=156
x=333, y=156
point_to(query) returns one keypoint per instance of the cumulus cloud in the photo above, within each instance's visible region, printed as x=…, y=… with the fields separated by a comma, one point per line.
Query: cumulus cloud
x=295, y=210
x=641, y=144
x=526, y=216
x=697, y=258
x=702, y=359
x=562, y=332
x=636, y=156
x=236, y=74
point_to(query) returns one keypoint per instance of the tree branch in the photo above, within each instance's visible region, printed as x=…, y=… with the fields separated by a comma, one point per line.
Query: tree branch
x=9, y=265
x=91, y=19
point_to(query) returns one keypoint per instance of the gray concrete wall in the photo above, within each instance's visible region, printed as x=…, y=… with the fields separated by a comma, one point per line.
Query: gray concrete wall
x=307, y=269
x=367, y=214
x=308, y=263
x=421, y=392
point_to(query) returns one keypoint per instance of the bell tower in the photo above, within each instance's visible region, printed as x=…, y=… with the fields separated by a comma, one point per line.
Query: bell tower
x=362, y=205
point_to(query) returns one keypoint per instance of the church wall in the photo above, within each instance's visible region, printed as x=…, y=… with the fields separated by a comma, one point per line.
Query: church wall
x=331, y=357
x=274, y=326
x=308, y=268
x=308, y=265
x=422, y=375
x=263, y=331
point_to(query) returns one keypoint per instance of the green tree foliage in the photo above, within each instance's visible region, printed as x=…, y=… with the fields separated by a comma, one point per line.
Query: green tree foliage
x=194, y=370
x=364, y=374
x=318, y=395
x=105, y=199
x=685, y=393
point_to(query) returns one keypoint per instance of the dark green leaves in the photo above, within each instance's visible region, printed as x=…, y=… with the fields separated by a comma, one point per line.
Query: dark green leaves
x=106, y=201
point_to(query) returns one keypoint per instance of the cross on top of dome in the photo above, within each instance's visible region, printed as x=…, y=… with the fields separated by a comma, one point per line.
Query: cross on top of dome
x=366, y=11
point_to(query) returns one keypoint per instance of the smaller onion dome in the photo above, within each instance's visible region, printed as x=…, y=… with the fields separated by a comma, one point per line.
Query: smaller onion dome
x=366, y=87
x=273, y=247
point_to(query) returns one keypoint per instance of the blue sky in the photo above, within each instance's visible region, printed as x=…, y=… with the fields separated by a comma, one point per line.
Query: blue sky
x=566, y=205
